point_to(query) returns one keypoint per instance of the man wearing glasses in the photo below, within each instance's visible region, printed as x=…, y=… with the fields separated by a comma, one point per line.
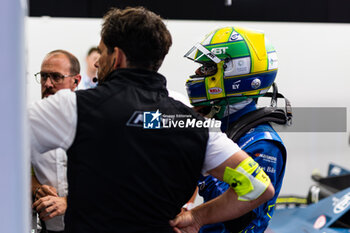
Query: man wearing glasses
x=59, y=70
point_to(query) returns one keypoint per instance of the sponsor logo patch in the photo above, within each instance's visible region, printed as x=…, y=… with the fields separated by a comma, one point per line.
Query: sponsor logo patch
x=320, y=222
x=268, y=158
x=273, y=61
x=341, y=204
x=235, y=36
x=256, y=83
x=219, y=50
x=235, y=85
x=215, y=90
x=271, y=170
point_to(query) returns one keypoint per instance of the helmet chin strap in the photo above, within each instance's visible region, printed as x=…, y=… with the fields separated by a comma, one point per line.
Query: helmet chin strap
x=227, y=107
x=213, y=111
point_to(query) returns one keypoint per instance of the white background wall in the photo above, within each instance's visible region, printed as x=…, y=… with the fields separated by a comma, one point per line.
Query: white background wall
x=313, y=72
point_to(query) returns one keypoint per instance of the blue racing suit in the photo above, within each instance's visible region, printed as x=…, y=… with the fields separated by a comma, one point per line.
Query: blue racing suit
x=264, y=145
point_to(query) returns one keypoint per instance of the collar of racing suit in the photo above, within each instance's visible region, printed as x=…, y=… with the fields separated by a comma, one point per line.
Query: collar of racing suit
x=235, y=115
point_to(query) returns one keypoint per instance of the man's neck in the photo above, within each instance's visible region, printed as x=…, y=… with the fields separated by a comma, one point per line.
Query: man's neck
x=91, y=74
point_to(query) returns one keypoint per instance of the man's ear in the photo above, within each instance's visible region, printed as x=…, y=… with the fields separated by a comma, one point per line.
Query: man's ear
x=77, y=79
x=119, y=58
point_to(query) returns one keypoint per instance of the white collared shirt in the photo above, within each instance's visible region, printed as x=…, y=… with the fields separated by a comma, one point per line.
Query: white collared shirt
x=50, y=168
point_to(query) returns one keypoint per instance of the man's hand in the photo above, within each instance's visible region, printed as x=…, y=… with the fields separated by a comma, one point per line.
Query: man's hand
x=45, y=190
x=50, y=206
x=185, y=222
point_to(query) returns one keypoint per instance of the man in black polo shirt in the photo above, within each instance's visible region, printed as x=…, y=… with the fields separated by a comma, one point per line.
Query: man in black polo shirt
x=123, y=177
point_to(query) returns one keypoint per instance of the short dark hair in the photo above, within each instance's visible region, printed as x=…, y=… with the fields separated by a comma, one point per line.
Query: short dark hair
x=91, y=50
x=74, y=62
x=140, y=33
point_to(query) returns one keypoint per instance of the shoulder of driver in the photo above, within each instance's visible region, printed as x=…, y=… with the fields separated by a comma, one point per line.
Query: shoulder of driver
x=53, y=121
x=219, y=149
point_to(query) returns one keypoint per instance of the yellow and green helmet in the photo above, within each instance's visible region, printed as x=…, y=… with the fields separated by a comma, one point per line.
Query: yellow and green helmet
x=236, y=63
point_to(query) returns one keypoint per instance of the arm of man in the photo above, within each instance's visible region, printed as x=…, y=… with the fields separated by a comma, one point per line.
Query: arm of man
x=228, y=204
x=53, y=121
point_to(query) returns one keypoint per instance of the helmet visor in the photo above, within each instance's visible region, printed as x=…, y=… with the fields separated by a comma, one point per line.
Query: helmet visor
x=198, y=51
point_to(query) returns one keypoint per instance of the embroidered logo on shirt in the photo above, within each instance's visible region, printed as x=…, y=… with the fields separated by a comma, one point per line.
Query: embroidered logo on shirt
x=136, y=120
x=268, y=158
x=271, y=170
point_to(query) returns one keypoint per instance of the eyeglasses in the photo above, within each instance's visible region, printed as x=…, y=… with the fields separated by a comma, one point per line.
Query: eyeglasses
x=55, y=77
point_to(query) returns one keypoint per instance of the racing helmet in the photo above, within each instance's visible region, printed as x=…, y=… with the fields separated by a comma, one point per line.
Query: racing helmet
x=236, y=64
